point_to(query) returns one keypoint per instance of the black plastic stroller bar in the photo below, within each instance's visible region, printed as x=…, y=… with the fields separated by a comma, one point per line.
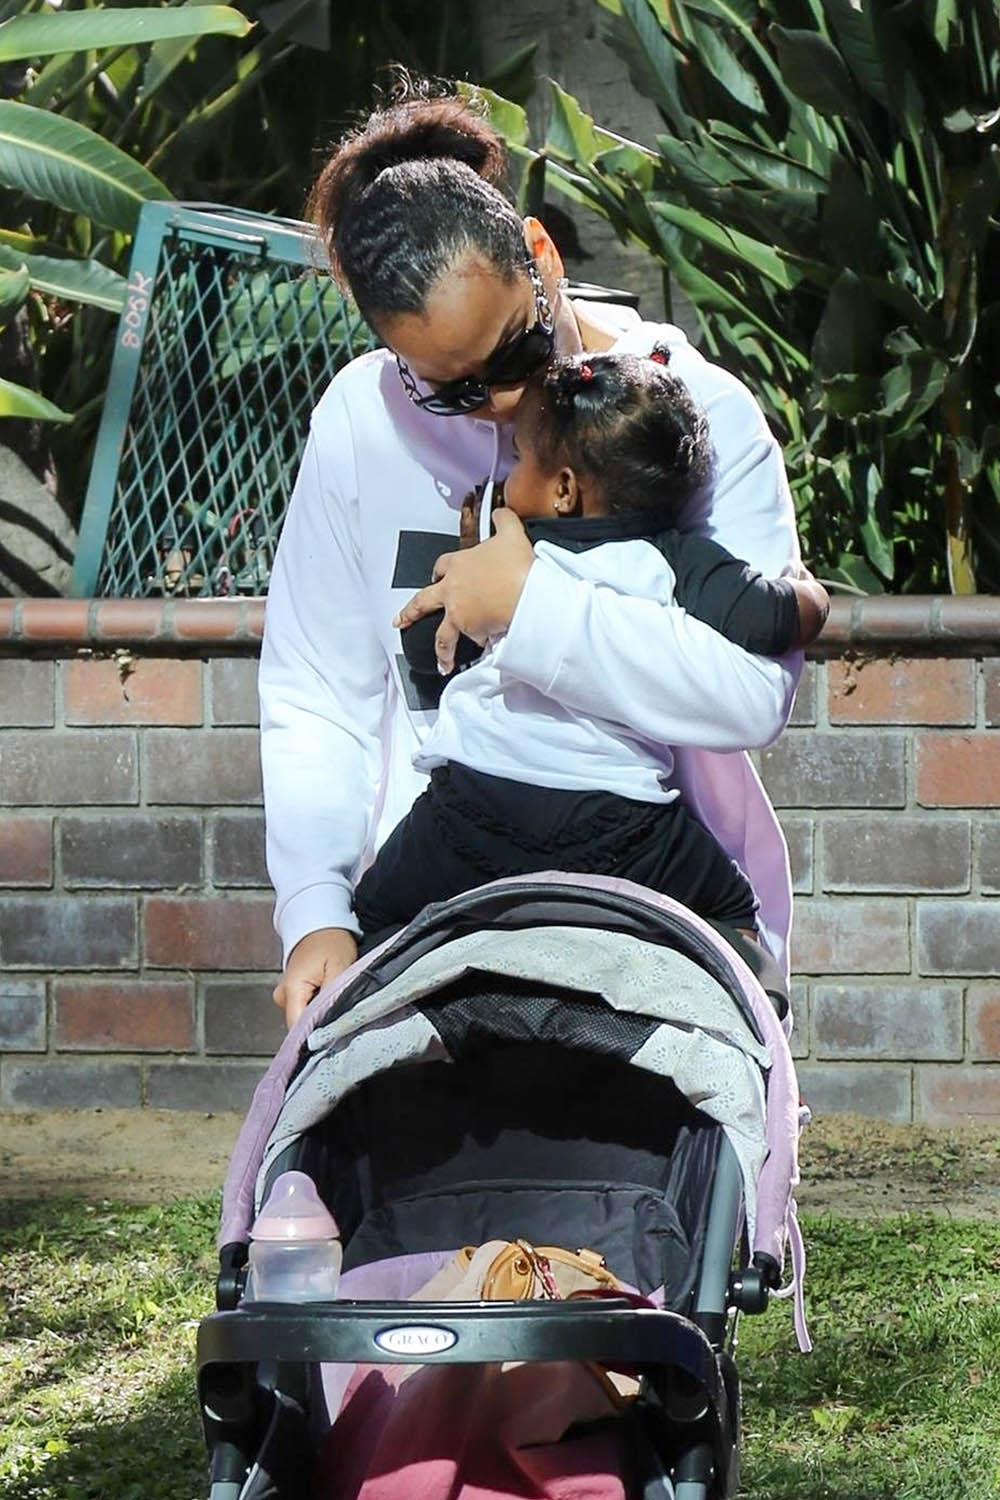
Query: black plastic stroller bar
x=608, y=1331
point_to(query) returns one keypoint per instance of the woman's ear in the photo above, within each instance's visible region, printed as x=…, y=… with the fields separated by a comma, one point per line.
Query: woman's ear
x=568, y=494
x=541, y=247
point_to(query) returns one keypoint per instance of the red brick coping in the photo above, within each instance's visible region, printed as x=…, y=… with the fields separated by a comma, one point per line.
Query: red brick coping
x=150, y=627
x=878, y=625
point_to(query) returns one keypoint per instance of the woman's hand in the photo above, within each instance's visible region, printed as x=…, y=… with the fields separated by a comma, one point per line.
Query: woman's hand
x=478, y=589
x=316, y=960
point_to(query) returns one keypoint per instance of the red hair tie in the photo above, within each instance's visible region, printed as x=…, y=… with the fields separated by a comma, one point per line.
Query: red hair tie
x=658, y=357
x=586, y=372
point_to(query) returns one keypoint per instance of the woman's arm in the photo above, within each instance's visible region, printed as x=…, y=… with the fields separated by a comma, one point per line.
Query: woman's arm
x=648, y=667
x=323, y=677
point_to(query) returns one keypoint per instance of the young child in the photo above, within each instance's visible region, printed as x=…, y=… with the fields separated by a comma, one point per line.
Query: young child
x=610, y=448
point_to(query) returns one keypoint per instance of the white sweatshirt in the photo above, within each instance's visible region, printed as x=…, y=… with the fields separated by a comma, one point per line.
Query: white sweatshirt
x=494, y=723
x=377, y=498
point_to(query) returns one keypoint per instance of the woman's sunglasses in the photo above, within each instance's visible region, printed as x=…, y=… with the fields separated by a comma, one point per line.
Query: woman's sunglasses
x=518, y=362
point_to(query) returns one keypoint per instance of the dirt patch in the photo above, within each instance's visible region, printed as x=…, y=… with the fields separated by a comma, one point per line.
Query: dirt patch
x=134, y=1155
x=850, y=1166
x=862, y=1168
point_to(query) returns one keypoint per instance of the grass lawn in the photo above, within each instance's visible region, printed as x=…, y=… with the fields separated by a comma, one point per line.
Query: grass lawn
x=900, y=1401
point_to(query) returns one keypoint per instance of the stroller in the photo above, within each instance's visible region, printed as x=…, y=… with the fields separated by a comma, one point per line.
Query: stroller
x=556, y=1060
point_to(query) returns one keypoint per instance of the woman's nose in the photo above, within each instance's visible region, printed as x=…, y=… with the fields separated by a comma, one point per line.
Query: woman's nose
x=503, y=402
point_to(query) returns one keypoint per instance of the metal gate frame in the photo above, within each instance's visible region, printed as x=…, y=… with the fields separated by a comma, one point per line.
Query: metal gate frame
x=231, y=330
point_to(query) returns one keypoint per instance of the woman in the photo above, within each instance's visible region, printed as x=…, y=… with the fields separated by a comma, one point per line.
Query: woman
x=468, y=298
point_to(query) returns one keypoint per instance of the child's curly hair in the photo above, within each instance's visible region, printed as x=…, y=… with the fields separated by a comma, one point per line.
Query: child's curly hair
x=628, y=424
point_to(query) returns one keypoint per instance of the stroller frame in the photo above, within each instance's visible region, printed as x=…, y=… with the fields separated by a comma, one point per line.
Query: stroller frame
x=255, y=1364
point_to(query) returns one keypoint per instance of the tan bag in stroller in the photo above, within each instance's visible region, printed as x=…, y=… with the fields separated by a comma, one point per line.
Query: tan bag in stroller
x=516, y=1271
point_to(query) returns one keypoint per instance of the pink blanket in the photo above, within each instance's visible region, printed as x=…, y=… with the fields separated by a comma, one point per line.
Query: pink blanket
x=472, y=1432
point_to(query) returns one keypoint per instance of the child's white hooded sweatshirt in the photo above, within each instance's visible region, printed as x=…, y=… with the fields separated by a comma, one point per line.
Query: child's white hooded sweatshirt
x=377, y=499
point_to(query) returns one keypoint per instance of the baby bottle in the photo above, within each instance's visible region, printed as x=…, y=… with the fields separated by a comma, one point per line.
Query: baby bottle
x=295, y=1249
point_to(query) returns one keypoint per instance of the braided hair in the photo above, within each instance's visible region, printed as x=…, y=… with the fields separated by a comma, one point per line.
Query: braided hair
x=417, y=187
x=628, y=426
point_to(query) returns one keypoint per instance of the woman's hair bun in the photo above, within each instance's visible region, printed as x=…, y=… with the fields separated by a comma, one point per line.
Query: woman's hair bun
x=412, y=127
x=422, y=129
x=418, y=184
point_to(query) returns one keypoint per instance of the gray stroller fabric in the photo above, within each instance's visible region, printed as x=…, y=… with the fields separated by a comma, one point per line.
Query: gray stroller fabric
x=700, y=1039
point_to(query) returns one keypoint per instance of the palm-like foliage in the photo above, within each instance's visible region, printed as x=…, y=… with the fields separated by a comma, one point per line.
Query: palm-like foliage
x=825, y=193
x=56, y=159
x=182, y=100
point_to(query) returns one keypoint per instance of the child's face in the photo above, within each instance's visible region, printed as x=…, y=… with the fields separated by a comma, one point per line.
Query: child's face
x=530, y=489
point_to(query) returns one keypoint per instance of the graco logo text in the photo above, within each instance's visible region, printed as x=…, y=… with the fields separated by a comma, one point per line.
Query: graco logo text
x=416, y=1338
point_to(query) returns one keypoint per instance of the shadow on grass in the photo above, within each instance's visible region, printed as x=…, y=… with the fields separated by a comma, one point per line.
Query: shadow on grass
x=157, y=1454
x=96, y=1303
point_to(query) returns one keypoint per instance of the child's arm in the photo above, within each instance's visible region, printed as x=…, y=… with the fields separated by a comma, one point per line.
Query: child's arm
x=766, y=616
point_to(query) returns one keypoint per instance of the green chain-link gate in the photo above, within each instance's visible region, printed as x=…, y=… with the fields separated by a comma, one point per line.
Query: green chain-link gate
x=232, y=330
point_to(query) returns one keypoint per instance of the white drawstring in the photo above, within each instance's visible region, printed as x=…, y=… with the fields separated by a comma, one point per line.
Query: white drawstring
x=486, y=508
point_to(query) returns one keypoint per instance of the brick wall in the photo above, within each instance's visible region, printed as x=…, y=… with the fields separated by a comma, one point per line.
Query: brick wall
x=136, y=951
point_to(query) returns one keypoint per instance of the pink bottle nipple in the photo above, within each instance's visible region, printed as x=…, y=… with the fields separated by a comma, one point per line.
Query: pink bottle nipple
x=294, y=1211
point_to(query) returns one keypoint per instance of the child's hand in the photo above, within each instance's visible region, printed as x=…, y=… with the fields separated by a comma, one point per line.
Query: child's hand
x=472, y=511
x=814, y=606
x=468, y=521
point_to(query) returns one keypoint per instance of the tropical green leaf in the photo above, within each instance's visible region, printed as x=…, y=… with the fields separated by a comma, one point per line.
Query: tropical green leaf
x=851, y=225
x=848, y=340
x=743, y=16
x=164, y=58
x=854, y=29
x=789, y=220
x=632, y=162
x=814, y=69
x=572, y=185
x=972, y=198
x=742, y=13
x=718, y=57
x=70, y=280
x=633, y=29
x=913, y=384
x=91, y=30
x=945, y=18
x=510, y=119
x=514, y=76
x=64, y=163
x=55, y=79
x=904, y=304
x=14, y=285
x=18, y=401
x=706, y=291
x=698, y=167
x=201, y=123
x=856, y=574
x=571, y=133
x=850, y=396
x=763, y=164
x=738, y=247
x=531, y=188
x=878, y=547
x=19, y=239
